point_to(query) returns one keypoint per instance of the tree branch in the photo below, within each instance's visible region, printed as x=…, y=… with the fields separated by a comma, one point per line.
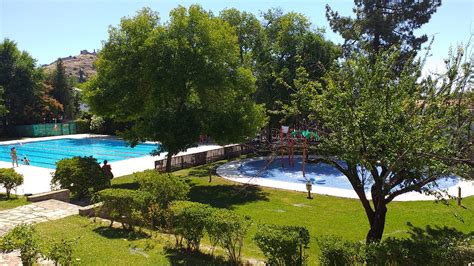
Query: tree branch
x=413, y=187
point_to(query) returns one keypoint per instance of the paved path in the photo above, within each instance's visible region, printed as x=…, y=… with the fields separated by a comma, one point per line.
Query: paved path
x=35, y=213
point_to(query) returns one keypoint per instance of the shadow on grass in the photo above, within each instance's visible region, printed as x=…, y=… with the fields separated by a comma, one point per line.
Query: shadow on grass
x=186, y=257
x=3, y=197
x=436, y=234
x=115, y=233
x=203, y=170
x=225, y=196
x=132, y=185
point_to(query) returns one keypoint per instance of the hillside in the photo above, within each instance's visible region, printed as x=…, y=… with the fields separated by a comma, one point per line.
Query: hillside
x=73, y=65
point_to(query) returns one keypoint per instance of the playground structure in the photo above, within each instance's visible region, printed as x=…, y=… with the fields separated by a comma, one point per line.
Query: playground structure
x=290, y=139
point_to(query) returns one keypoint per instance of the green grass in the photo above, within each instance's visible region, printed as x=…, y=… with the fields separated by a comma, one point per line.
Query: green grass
x=98, y=244
x=12, y=202
x=322, y=215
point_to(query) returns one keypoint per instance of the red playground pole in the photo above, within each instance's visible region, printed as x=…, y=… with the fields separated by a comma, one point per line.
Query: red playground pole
x=288, y=147
x=304, y=156
x=281, y=149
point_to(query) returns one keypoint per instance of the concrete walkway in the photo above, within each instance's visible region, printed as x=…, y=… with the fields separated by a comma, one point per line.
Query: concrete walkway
x=35, y=213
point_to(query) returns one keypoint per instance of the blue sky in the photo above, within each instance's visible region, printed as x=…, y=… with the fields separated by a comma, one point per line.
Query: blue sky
x=49, y=29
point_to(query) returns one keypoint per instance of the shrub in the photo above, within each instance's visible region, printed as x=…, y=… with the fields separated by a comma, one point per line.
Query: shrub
x=126, y=205
x=228, y=229
x=165, y=187
x=10, y=179
x=188, y=221
x=81, y=175
x=61, y=252
x=282, y=245
x=97, y=124
x=83, y=125
x=336, y=251
x=25, y=238
x=442, y=246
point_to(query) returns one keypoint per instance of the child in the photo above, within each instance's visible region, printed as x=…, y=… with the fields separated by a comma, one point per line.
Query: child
x=26, y=161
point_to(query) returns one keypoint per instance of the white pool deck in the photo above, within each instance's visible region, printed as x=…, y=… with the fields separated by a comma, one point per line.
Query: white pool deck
x=38, y=179
x=230, y=171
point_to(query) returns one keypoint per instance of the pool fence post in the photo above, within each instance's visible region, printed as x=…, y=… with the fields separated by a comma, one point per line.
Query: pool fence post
x=210, y=174
x=309, y=186
x=459, y=196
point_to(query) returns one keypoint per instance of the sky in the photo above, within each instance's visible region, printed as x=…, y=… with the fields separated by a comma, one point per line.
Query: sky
x=49, y=29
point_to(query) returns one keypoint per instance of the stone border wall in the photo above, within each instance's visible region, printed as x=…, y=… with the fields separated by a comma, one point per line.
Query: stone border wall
x=61, y=195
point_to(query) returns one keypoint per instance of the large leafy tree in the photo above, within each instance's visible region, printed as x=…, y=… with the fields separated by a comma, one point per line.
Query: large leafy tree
x=175, y=81
x=275, y=48
x=21, y=82
x=392, y=132
x=379, y=24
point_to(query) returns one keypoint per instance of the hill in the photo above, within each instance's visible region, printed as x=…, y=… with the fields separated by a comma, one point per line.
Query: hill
x=74, y=64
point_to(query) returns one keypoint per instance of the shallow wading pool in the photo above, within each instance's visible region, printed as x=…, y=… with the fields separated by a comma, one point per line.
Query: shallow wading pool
x=278, y=173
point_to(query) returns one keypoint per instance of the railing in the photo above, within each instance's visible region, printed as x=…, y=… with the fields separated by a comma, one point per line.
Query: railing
x=201, y=158
x=43, y=130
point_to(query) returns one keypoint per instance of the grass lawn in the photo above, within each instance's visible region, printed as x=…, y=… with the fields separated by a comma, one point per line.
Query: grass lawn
x=322, y=215
x=12, y=202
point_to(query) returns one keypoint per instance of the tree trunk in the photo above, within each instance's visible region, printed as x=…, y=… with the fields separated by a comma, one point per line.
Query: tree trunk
x=377, y=224
x=168, y=162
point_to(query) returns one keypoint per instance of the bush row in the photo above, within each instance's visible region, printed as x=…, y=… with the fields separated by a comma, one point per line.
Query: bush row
x=160, y=203
x=225, y=228
x=449, y=248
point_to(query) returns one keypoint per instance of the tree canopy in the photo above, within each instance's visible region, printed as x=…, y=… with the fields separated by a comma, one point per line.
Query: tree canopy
x=26, y=97
x=62, y=90
x=397, y=130
x=275, y=47
x=380, y=24
x=175, y=81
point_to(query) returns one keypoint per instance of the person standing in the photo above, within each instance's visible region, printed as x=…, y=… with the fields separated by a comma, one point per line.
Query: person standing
x=107, y=169
x=14, y=157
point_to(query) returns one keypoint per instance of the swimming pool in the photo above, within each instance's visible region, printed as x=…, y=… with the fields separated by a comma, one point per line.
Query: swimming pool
x=322, y=175
x=46, y=153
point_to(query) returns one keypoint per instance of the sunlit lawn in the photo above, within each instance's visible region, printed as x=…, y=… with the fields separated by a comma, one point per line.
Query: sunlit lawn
x=12, y=202
x=322, y=215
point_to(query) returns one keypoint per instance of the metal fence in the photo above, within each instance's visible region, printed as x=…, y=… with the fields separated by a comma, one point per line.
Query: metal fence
x=43, y=130
x=201, y=158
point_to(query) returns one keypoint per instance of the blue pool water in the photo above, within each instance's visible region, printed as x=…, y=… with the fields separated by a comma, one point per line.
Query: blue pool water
x=47, y=153
x=319, y=174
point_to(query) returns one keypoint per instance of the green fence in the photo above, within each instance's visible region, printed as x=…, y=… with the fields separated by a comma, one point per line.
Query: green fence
x=43, y=130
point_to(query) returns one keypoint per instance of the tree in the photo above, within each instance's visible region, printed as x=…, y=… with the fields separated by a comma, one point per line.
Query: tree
x=380, y=24
x=9, y=179
x=393, y=133
x=175, y=81
x=290, y=43
x=21, y=84
x=250, y=34
x=63, y=91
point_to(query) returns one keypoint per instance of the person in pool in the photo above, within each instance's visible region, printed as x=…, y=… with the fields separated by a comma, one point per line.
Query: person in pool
x=26, y=161
x=14, y=157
